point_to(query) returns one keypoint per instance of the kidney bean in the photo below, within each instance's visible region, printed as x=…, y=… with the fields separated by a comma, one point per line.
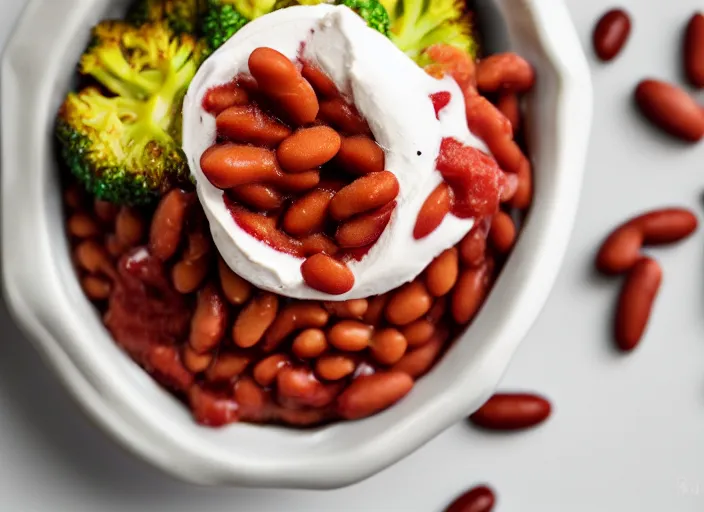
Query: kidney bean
x=508, y=183
x=477, y=499
x=438, y=310
x=105, y=211
x=298, y=387
x=295, y=316
x=321, y=82
x=620, y=250
x=671, y=109
x=484, y=119
x=353, y=308
x=304, y=417
x=195, y=362
x=419, y=361
x=236, y=290
x=505, y=72
x=472, y=247
x=187, y=276
x=75, y=197
x=208, y=321
x=309, y=344
x=388, y=346
x=611, y=33
x=222, y=97
x=335, y=367
x=164, y=363
x=210, y=409
x=457, y=63
x=636, y=302
x=441, y=274
x=96, y=288
x=360, y=155
x=318, y=242
x=230, y=165
x=408, y=303
x=512, y=411
x=364, y=229
x=523, y=197
x=370, y=394
x=267, y=369
x=278, y=79
x=307, y=214
x=81, y=225
x=343, y=116
x=227, y=366
x=198, y=244
x=129, y=227
x=308, y=148
x=253, y=321
x=299, y=182
x=248, y=124
x=507, y=153
x=469, y=293
x=509, y=105
x=418, y=332
x=502, y=232
x=369, y=192
x=249, y=396
x=694, y=50
x=324, y=273
x=433, y=211
x=350, y=335
x=257, y=196
x=375, y=309
x=92, y=257
x=167, y=224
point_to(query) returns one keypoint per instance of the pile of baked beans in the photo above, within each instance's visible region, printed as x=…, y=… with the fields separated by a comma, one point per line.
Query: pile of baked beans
x=237, y=353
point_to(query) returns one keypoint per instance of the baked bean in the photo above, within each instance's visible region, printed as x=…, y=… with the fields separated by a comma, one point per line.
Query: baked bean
x=253, y=321
x=477, y=499
x=230, y=165
x=350, y=335
x=321, y=82
x=367, y=193
x=210, y=409
x=96, y=288
x=187, y=276
x=308, y=148
x=636, y=302
x=448, y=59
x=167, y=224
x=469, y=293
x=113, y=246
x=81, y=225
x=360, y=155
x=267, y=369
x=75, y=197
x=441, y=274
x=208, y=321
x=484, y=119
x=307, y=214
x=227, y=366
x=279, y=80
x=248, y=124
x=249, y=396
x=343, y=116
x=198, y=244
x=92, y=257
x=195, y=362
x=473, y=245
x=164, y=363
x=502, y=232
x=318, y=242
x=388, y=346
x=353, y=308
x=370, y=394
x=298, y=387
x=431, y=214
x=670, y=108
x=364, y=229
x=408, y=303
x=129, y=227
x=509, y=186
x=418, y=332
x=523, y=196
x=304, y=417
x=258, y=196
x=694, y=50
x=611, y=33
x=324, y=273
x=236, y=290
x=309, y=344
x=375, y=309
x=298, y=182
x=506, y=152
x=510, y=106
x=505, y=72
x=334, y=367
x=512, y=411
x=295, y=316
x=105, y=211
x=417, y=362
x=438, y=310
x=222, y=97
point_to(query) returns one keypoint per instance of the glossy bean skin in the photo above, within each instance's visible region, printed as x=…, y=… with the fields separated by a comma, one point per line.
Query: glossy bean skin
x=310, y=344
x=258, y=196
x=96, y=288
x=408, y=303
x=322, y=84
x=208, y=321
x=82, y=225
x=308, y=214
x=635, y=303
x=326, y=274
x=469, y=293
x=611, y=33
x=308, y=148
x=352, y=309
x=370, y=394
x=418, y=332
x=187, y=276
x=167, y=224
x=235, y=289
x=267, y=369
x=248, y=124
x=502, y=232
x=693, y=54
x=364, y=229
x=509, y=105
x=129, y=227
x=388, y=346
x=434, y=209
x=253, y=321
x=295, y=316
x=367, y=193
x=477, y=499
x=360, y=155
x=441, y=274
x=334, y=367
x=224, y=96
x=419, y=361
x=342, y=116
x=671, y=109
x=231, y=165
x=505, y=72
x=512, y=411
x=350, y=335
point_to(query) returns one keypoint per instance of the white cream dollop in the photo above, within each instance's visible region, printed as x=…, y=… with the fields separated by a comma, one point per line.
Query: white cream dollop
x=393, y=95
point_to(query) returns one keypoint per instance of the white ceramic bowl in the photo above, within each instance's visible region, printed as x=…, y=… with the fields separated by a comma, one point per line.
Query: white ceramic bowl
x=44, y=295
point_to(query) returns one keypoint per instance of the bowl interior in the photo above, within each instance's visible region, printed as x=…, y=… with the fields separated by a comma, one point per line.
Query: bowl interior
x=41, y=286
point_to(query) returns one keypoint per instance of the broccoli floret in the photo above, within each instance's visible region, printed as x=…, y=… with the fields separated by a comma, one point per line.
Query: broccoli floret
x=181, y=15
x=418, y=24
x=220, y=22
x=282, y=4
x=371, y=11
x=125, y=145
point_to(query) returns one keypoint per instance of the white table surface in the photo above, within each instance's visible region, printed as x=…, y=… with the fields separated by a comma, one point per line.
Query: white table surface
x=627, y=433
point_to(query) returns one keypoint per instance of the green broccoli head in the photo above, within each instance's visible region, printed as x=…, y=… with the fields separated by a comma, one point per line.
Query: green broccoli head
x=371, y=11
x=125, y=147
x=181, y=15
x=219, y=23
x=418, y=24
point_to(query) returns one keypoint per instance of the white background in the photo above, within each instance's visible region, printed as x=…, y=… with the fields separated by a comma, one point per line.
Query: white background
x=627, y=432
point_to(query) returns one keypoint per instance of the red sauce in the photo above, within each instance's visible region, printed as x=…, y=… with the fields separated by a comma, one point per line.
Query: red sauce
x=440, y=101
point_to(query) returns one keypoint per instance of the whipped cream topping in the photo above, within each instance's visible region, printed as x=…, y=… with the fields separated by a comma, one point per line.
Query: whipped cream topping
x=391, y=92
